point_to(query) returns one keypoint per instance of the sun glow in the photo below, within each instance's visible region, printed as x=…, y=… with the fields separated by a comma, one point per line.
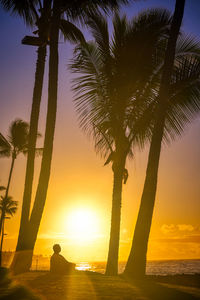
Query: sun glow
x=82, y=225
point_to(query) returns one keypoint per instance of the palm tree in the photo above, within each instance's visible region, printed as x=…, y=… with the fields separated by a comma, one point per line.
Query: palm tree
x=36, y=14
x=110, y=95
x=178, y=102
x=16, y=143
x=8, y=207
x=76, y=11
x=33, y=13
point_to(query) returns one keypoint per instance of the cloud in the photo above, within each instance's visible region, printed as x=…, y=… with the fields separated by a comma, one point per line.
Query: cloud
x=175, y=228
x=185, y=227
x=168, y=228
x=180, y=234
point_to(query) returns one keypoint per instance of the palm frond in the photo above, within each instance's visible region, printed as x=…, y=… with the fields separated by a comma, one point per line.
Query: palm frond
x=89, y=87
x=99, y=28
x=71, y=32
x=5, y=147
x=80, y=10
x=184, y=103
x=23, y=8
x=187, y=45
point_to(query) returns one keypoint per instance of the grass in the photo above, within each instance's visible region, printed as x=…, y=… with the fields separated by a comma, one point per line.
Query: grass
x=90, y=285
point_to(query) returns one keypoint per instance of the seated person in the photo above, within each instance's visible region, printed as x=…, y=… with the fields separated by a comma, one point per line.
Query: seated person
x=58, y=264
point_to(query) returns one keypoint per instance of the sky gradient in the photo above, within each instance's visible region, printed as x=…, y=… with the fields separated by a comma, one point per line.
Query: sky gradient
x=78, y=179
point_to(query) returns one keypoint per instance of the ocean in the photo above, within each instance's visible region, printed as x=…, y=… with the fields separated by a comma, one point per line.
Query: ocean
x=161, y=267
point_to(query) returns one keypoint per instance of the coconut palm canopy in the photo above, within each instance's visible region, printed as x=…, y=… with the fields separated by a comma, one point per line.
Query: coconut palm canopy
x=119, y=80
x=115, y=74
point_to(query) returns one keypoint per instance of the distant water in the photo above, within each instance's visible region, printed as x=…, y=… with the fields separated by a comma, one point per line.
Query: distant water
x=162, y=267
x=167, y=267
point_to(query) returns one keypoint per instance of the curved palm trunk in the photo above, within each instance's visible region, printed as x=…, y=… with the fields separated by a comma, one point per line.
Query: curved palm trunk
x=113, y=252
x=18, y=264
x=136, y=264
x=37, y=94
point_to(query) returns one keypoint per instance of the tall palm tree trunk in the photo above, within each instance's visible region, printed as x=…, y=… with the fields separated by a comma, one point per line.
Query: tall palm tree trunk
x=136, y=264
x=10, y=173
x=113, y=252
x=37, y=93
x=41, y=193
x=33, y=131
x=2, y=236
x=22, y=263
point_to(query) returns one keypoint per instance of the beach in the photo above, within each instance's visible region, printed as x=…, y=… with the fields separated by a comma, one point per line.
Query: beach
x=91, y=285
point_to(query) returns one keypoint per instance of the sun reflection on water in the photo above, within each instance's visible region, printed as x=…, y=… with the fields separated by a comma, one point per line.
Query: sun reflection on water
x=83, y=266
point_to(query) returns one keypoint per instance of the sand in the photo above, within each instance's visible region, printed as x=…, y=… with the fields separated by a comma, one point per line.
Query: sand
x=90, y=285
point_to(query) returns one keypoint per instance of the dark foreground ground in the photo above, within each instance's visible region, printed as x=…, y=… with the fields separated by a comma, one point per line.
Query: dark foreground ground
x=92, y=286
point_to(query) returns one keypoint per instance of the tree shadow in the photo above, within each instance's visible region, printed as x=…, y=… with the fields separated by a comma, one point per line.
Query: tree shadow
x=182, y=279
x=154, y=290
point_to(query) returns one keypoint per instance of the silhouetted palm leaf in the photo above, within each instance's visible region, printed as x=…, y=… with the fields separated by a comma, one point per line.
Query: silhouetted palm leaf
x=23, y=8
x=71, y=32
x=5, y=147
x=184, y=103
x=80, y=10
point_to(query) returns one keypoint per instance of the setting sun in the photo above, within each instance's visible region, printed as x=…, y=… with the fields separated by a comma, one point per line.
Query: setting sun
x=82, y=225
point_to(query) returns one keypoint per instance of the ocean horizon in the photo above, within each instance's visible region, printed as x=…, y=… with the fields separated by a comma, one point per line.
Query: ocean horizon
x=154, y=267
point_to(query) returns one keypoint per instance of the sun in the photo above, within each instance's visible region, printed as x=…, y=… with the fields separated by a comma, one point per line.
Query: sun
x=82, y=225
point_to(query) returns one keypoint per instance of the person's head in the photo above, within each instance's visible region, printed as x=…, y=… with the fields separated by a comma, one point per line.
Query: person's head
x=56, y=248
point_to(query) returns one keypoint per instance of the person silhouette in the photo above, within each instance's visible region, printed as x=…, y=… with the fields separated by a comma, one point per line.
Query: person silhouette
x=58, y=264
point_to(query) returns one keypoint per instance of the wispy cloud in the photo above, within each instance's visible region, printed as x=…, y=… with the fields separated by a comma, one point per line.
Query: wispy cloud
x=185, y=227
x=173, y=228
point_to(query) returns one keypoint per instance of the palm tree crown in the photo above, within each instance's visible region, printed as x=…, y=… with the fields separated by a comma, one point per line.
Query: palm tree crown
x=8, y=206
x=17, y=140
x=110, y=93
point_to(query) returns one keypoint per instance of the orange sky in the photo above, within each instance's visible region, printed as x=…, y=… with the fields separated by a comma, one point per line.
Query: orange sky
x=79, y=180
